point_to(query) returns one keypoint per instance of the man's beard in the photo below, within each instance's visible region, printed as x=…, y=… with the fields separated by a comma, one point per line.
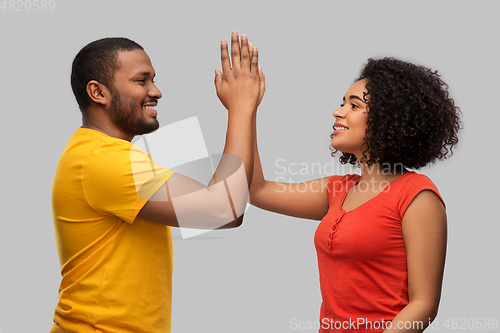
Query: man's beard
x=123, y=115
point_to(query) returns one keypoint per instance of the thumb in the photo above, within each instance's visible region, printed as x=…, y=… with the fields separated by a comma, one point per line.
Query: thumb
x=262, y=84
x=218, y=80
x=262, y=80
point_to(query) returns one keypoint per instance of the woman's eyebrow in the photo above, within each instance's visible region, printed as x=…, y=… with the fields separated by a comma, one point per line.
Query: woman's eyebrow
x=356, y=97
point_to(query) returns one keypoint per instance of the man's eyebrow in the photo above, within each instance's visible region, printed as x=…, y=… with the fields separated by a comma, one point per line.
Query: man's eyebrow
x=144, y=74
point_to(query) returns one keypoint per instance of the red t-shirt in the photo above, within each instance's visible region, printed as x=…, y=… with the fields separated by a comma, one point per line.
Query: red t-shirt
x=362, y=256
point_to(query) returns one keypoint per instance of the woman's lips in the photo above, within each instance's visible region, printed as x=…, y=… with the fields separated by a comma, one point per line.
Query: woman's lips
x=338, y=128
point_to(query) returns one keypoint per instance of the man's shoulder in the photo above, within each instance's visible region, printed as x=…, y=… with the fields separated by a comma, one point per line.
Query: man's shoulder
x=86, y=141
x=96, y=138
x=91, y=150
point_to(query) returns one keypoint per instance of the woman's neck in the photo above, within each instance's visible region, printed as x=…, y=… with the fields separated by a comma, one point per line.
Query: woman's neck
x=376, y=173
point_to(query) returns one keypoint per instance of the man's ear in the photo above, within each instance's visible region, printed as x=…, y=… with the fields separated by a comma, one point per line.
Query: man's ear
x=98, y=92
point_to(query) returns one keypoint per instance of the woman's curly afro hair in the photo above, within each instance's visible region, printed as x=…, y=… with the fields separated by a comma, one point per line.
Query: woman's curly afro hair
x=412, y=121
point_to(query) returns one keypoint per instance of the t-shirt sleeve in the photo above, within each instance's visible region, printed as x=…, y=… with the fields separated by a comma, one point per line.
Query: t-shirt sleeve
x=119, y=178
x=413, y=186
x=331, y=186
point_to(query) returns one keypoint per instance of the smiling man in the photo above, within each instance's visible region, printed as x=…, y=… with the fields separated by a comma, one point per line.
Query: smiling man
x=113, y=206
x=131, y=97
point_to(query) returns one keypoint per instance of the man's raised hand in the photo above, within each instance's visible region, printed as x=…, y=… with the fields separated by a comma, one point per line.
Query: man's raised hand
x=239, y=86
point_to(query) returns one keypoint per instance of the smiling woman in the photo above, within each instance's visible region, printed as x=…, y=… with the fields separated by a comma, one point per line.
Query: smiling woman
x=352, y=116
x=381, y=242
x=412, y=120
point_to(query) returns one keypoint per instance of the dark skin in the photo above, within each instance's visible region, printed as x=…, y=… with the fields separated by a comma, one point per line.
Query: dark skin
x=237, y=87
x=424, y=224
x=134, y=82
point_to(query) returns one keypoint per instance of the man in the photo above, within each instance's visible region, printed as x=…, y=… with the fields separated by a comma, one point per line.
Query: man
x=113, y=206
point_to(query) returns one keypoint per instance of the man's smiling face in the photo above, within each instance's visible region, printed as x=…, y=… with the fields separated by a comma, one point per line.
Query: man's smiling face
x=134, y=94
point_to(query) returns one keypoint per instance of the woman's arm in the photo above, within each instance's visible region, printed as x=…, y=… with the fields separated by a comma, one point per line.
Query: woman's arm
x=424, y=234
x=304, y=200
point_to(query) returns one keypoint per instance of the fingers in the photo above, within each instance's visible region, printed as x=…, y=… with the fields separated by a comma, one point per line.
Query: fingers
x=254, y=63
x=244, y=52
x=224, y=57
x=235, y=50
x=250, y=51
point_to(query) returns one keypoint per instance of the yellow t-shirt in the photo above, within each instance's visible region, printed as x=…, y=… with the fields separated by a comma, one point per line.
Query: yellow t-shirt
x=116, y=267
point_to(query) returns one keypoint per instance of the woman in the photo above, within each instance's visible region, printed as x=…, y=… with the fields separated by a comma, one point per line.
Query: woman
x=381, y=242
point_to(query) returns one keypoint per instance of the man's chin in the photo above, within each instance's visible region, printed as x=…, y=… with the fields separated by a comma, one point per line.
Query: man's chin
x=151, y=127
x=156, y=125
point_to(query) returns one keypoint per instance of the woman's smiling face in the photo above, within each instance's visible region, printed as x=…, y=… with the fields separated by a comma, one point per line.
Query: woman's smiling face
x=350, y=121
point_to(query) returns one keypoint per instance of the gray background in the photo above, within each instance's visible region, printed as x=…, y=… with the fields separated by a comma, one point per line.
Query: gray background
x=260, y=276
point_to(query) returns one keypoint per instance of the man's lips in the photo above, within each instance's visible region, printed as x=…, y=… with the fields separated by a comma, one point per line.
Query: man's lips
x=150, y=109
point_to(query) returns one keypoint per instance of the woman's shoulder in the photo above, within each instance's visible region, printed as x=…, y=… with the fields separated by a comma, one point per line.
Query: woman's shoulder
x=412, y=184
x=344, y=177
x=412, y=179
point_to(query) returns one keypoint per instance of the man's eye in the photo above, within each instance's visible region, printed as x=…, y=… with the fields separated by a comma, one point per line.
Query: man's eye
x=354, y=106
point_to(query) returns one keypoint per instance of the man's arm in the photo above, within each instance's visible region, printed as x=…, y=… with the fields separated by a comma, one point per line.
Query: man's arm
x=184, y=202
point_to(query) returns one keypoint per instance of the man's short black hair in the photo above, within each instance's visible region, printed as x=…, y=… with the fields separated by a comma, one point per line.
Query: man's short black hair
x=97, y=61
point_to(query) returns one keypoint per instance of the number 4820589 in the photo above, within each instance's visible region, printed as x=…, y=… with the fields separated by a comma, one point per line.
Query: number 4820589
x=28, y=5
x=471, y=323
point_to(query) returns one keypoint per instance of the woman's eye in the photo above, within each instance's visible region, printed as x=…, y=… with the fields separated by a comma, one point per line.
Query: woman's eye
x=341, y=105
x=354, y=106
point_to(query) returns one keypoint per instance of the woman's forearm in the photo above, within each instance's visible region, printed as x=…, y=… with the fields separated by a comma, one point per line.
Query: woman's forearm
x=414, y=318
x=258, y=180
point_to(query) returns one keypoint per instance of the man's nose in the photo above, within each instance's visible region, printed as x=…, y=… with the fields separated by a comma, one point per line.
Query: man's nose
x=155, y=92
